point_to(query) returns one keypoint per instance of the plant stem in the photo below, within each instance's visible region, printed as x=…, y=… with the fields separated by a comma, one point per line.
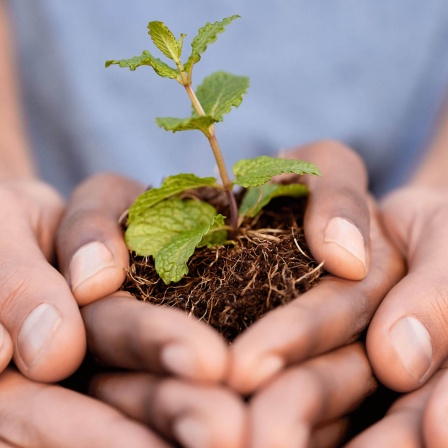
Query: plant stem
x=218, y=157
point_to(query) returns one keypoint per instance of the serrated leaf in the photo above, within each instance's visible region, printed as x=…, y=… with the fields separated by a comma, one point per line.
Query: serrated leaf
x=153, y=229
x=258, y=171
x=257, y=198
x=221, y=91
x=206, y=36
x=164, y=40
x=171, y=261
x=148, y=59
x=201, y=123
x=171, y=186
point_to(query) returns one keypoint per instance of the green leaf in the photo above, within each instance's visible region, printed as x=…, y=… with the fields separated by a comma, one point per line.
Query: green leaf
x=171, y=186
x=258, y=197
x=171, y=230
x=201, y=123
x=148, y=59
x=150, y=231
x=258, y=171
x=171, y=261
x=221, y=91
x=165, y=41
x=206, y=35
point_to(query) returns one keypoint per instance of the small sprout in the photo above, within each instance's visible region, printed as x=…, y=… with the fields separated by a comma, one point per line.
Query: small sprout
x=162, y=225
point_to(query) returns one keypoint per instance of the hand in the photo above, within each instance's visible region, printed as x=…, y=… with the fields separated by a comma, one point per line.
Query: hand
x=307, y=405
x=416, y=419
x=151, y=341
x=40, y=321
x=34, y=415
x=342, y=227
x=93, y=258
x=408, y=337
x=140, y=337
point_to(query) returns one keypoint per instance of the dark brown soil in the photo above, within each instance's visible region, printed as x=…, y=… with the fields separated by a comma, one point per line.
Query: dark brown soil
x=230, y=287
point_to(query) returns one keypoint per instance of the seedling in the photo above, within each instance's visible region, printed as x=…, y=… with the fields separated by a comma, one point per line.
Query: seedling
x=160, y=223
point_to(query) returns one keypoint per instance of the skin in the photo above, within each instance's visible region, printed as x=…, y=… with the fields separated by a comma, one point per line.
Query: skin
x=337, y=310
x=42, y=415
x=416, y=419
x=415, y=218
x=201, y=414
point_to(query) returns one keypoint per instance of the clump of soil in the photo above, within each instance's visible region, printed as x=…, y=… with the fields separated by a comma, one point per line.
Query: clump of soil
x=230, y=287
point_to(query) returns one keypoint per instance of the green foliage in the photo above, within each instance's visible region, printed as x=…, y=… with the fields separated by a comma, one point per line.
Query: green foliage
x=221, y=91
x=148, y=59
x=171, y=186
x=206, y=35
x=258, y=171
x=165, y=41
x=171, y=230
x=171, y=262
x=256, y=198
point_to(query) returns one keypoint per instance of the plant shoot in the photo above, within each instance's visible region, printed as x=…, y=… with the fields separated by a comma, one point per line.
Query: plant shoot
x=168, y=228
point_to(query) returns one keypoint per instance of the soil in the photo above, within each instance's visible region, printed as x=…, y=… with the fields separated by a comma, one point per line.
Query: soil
x=230, y=287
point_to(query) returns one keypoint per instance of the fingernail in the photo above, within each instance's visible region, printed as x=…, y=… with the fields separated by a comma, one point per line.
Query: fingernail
x=412, y=345
x=88, y=261
x=346, y=235
x=191, y=432
x=178, y=359
x=36, y=332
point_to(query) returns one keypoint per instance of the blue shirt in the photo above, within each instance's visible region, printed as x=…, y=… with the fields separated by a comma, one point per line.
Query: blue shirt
x=369, y=73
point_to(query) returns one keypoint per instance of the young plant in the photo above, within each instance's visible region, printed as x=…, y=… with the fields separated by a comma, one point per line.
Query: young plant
x=168, y=228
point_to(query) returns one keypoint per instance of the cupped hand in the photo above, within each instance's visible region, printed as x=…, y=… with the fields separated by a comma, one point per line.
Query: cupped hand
x=40, y=321
x=343, y=230
x=93, y=257
x=36, y=415
x=151, y=342
x=408, y=338
x=307, y=404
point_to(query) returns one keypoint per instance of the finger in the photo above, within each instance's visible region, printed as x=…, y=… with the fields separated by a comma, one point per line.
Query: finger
x=91, y=249
x=137, y=335
x=402, y=425
x=435, y=419
x=33, y=415
x=285, y=412
x=408, y=338
x=36, y=307
x=194, y=415
x=337, y=216
x=331, y=314
x=6, y=348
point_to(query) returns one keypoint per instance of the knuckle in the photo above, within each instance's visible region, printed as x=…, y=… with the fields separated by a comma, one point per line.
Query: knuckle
x=15, y=286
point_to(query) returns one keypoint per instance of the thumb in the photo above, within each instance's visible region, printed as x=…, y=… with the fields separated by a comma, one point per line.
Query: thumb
x=408, y=337
x=337, y=218
x=91, y=249
x=36, y=306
